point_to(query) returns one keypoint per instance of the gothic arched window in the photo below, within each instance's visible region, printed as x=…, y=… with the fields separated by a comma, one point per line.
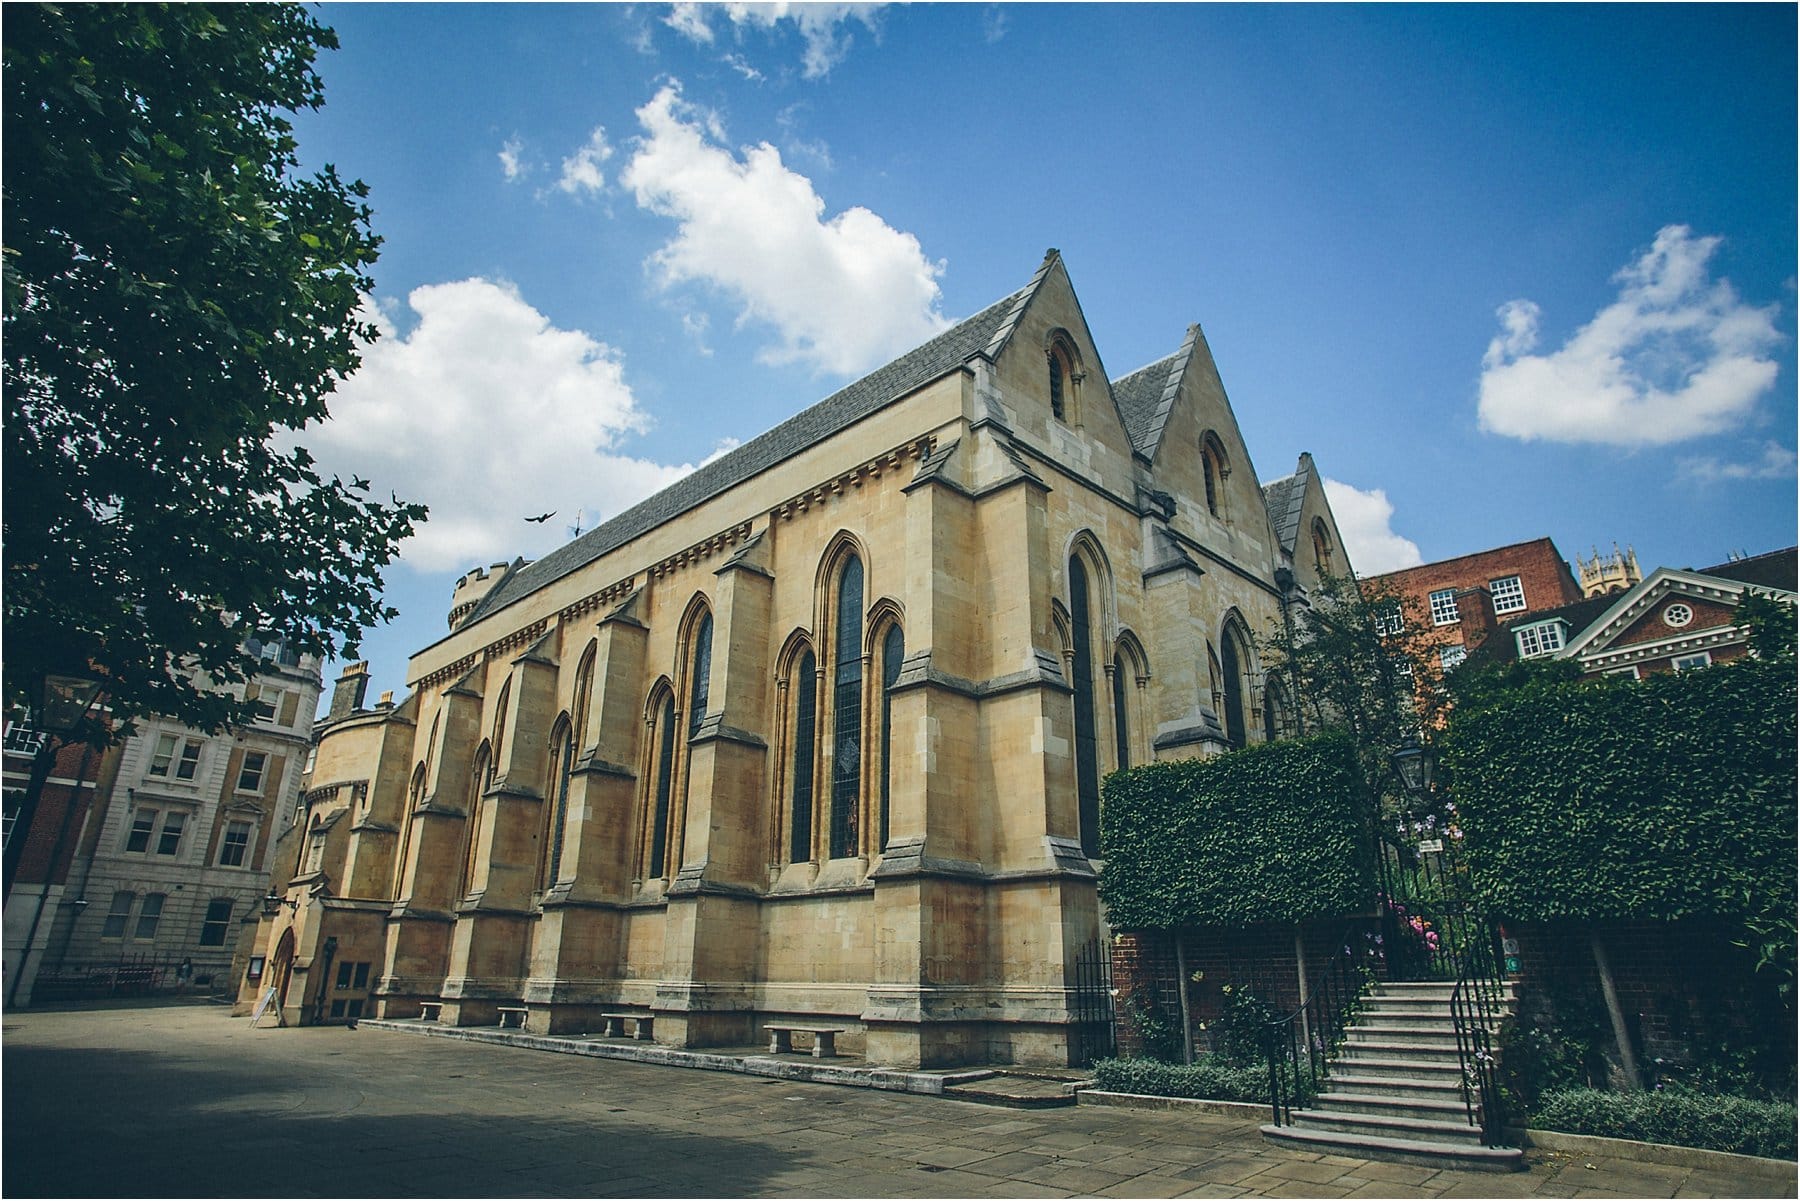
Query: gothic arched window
x=893, y=650
x=662, y=782
x=1087, y=763
x=1121, y=728
x=846, y=708
x=801, y=797
x=562, y=765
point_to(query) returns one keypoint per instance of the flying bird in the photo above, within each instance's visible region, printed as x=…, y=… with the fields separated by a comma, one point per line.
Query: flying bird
x=543, y=517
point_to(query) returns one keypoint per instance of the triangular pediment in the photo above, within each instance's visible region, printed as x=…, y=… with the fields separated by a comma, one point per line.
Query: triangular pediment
x=1629, y=619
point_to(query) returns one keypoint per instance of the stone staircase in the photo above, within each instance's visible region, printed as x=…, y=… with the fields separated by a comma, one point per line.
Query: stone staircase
x=1394, y=1089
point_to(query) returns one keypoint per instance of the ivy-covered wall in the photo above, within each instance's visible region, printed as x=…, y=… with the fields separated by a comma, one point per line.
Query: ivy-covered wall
x=1274, y=833
x=1669, y=798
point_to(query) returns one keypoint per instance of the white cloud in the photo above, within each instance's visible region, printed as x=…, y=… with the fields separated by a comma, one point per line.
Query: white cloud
x=842, y=295
x=824, y=27
x=1676, y=356
x=489, y=414
x=993, y=23
x=581, y=170
x=741, y=65
x=1776, y=462
x=510, y=162
x=1365, y=522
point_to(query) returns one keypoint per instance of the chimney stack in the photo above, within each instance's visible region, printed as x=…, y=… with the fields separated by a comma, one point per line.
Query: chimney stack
x=347, y=695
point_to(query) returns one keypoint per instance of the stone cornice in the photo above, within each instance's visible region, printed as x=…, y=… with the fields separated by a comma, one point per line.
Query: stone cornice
x=871, y=471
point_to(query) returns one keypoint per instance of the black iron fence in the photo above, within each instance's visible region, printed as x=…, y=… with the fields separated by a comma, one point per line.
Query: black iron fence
x=1091, y=1032
x=126, y=976
x=1300, y=1044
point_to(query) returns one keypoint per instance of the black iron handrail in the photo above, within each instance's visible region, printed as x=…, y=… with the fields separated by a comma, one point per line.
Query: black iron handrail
x=1299, y=1044
x=1477, y=1006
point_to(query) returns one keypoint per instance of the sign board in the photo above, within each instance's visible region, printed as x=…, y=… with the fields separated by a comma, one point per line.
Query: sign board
x=1431, y=844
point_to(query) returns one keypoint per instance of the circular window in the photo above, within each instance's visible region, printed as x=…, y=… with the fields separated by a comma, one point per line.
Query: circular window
x=1677, y=615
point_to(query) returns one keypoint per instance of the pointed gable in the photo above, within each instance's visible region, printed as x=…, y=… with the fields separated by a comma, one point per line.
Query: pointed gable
x=1664, y=617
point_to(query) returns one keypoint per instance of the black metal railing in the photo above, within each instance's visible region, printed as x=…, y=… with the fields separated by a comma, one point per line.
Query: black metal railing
x=1477, y=1006
x=1300, y=1044
x=1433, y=929
x=1092, y=1034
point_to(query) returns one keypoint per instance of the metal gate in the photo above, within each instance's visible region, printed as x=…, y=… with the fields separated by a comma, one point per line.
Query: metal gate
x=1091, y=1034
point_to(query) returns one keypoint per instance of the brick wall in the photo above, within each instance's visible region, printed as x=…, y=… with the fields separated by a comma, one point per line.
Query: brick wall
x=1542, y=572
x=1681, y=985
x=1261, y=958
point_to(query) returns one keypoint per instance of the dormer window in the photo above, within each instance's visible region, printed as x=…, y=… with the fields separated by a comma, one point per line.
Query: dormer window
x=1541, y=639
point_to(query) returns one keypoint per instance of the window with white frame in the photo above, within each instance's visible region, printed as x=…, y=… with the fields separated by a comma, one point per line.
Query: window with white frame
x=234, y=847
x=1690, y=662
x=1508, y=594
x=1388, y=620
x=1443, y=607
x=250, y=774
x=1451, y=655
x=169, y=842
x=15, y=805
x=1631, y=671
x=117, y=915
x=148, y=916
x=143, y=824
x=1537, y=640
x=164, y=757
x=267, y=700
x=1677, y=615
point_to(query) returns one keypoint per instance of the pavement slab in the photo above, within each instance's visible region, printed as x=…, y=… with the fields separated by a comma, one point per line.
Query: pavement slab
x=397, y=1115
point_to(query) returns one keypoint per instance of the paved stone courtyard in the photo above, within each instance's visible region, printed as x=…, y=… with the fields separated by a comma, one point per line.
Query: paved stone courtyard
x=182, y=1100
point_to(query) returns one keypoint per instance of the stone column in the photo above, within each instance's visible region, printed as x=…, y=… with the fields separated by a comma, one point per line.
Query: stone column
x=418, y=929
x=1181, y=700
x=491, y=942
x=712, y=930
x=575, y=959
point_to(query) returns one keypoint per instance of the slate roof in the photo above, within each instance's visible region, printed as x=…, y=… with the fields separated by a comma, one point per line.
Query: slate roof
x=1140, y=395
x=1775, y=569
x=1503, y=647
x=981, y=334
x=1284, y=498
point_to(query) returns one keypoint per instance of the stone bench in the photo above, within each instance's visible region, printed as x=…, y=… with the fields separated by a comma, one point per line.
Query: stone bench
x=641, y=1024
x=512, y=1016
x=429, y=1010
x=781, y=1038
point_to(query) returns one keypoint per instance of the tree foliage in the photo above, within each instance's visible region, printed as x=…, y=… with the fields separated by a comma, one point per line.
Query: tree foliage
x=1278, y=832
x=1362, y=659
x=177, y=292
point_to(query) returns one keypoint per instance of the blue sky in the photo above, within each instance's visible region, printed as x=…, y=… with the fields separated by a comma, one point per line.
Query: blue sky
x=1506, y=271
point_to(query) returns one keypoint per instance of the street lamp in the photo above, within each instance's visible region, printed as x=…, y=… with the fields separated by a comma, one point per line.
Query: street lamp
x=271, y=904
x=1415, y=765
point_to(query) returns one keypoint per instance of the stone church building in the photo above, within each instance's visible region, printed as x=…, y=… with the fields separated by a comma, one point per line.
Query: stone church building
x=817, y=732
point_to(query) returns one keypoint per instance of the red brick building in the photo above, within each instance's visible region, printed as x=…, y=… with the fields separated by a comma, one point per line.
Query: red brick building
x=1464, y=598
x=1672, y=620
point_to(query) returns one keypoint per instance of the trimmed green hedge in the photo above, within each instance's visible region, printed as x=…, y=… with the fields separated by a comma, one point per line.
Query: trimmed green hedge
x=1206, y=1079
x=1714, y=1123
x=1665, y=798
x=1273, y=833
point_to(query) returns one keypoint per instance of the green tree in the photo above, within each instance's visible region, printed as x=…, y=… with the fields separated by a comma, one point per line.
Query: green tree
x=177, y=293
x=1361, y=659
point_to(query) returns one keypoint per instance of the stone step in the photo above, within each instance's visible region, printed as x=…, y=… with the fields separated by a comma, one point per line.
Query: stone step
x=1431, y=1109
x=1417, y=1035
x=1436, y=1085
x=1380, y=1125
x=1364, y=1049
x=1399, y=1150
x=1417, y=1069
